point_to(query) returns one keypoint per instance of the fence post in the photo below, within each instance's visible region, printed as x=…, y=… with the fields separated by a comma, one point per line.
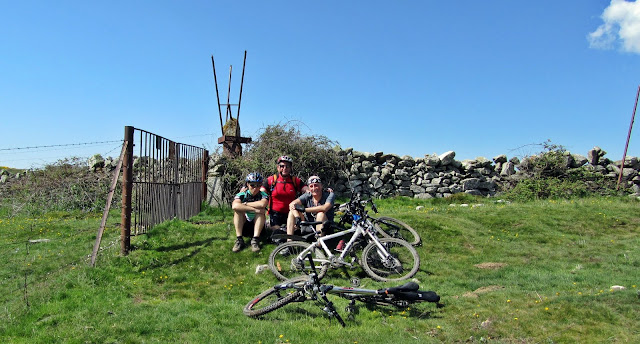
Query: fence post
x=205, y=171
x=127, y=189
x=624, y=155
x=176, y=179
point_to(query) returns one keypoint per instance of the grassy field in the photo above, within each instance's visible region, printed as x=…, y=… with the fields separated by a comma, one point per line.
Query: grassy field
x=538, y=272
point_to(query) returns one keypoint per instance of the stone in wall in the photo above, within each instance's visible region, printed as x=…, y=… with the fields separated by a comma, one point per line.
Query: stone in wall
x=447, y=157
x=508, y=169
x=96, y=162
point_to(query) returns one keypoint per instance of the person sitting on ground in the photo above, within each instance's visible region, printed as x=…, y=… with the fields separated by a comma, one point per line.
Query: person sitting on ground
x=249, y=208
x=282, y=188
x=318, y=206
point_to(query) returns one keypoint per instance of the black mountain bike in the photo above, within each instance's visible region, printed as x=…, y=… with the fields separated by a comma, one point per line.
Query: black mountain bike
x=307, y=288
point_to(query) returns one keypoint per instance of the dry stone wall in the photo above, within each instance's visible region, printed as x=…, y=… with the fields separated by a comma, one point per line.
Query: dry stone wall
x=386, y=175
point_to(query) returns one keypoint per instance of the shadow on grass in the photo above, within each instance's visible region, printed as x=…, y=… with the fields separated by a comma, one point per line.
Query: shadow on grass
x=199, y=245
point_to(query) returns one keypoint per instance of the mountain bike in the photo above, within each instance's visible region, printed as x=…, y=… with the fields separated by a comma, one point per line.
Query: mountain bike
x=391, y=227
x=383, y=259
x=305, y=288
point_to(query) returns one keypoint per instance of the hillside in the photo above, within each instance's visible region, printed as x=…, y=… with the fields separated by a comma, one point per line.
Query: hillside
x=507, y=272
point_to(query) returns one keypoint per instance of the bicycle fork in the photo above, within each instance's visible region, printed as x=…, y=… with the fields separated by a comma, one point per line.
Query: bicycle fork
x=386, y=257
x=329, y=308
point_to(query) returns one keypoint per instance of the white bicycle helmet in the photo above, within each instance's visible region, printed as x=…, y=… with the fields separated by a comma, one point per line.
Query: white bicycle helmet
x=284, y=158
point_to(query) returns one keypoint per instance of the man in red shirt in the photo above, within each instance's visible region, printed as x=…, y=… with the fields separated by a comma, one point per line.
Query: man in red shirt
x=282, y=190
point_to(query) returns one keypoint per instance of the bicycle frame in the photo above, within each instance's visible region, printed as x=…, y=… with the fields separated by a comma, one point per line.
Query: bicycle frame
x=361, y=227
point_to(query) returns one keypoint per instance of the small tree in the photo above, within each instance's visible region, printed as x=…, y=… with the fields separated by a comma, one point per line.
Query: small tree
x=550, y=163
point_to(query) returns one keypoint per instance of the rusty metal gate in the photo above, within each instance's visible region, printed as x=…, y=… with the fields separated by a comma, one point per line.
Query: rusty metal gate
x=162, y=180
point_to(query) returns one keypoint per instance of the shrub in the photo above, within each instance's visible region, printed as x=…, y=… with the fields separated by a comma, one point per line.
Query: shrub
x=62, y=186
x=311, y=154
x=549, y=175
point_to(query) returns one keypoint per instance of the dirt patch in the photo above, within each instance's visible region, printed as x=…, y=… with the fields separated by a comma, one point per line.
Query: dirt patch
x=483, y=290
x=492, y=266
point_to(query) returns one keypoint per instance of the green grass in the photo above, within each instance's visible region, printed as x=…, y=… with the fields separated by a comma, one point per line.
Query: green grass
x=181, y=282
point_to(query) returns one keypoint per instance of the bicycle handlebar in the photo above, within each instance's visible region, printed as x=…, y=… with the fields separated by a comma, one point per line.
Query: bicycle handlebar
x=428, y=296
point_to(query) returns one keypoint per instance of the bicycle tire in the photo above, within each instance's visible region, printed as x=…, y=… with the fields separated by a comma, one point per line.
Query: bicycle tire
x=390, y=227
x=285, y=267
x=271, y=299
x=403, y=255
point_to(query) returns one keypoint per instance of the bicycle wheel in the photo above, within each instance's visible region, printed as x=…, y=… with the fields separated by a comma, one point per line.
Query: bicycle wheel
x=284, y=262
x=402, y=264
x=394, y=228
x=272, y=299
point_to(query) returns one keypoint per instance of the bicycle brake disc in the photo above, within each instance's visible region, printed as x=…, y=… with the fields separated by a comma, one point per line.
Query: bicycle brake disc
x=355, y=282
x=390, y=263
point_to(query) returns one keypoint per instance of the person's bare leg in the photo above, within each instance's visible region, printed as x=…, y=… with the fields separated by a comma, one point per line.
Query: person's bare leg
x=320, y=217
x=259, y=225
x=238, y=222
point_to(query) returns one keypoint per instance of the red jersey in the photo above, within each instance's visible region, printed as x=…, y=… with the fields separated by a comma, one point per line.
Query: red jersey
x=283, y=191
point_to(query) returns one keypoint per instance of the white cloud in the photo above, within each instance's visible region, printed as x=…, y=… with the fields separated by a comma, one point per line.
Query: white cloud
x=621, y=26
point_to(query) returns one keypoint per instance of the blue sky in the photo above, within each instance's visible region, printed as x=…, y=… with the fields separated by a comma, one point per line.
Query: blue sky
x=481, y=78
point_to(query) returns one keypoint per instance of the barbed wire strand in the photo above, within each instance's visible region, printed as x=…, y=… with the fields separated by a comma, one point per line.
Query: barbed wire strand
x=60, y=145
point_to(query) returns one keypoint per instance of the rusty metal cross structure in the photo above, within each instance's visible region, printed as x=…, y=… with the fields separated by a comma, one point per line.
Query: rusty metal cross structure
x=230, y=127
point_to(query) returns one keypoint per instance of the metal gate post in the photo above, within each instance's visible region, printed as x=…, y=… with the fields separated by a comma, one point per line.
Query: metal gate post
x=205, y=172
x=176, y=180
x=127, y=189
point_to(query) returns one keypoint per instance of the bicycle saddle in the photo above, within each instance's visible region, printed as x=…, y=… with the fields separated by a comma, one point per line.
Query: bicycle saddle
x=409, y=286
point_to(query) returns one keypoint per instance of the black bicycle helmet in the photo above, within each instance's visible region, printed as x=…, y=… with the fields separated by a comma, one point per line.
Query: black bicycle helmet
x=254, y=177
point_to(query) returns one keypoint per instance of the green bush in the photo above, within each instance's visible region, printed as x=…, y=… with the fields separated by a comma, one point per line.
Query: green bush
x=62, y=186
x=311, y=154
x=548, y=175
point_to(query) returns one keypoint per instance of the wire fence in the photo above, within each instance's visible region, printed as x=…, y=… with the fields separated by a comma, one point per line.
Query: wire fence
x=38, y=252
x=38, y=156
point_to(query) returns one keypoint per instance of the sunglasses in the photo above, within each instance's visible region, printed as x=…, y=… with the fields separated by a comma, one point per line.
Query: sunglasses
x=255, y=185
x=283, y=165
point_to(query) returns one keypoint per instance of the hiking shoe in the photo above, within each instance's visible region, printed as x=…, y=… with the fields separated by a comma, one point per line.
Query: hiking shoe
x=255, y=247
x=239, y=245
